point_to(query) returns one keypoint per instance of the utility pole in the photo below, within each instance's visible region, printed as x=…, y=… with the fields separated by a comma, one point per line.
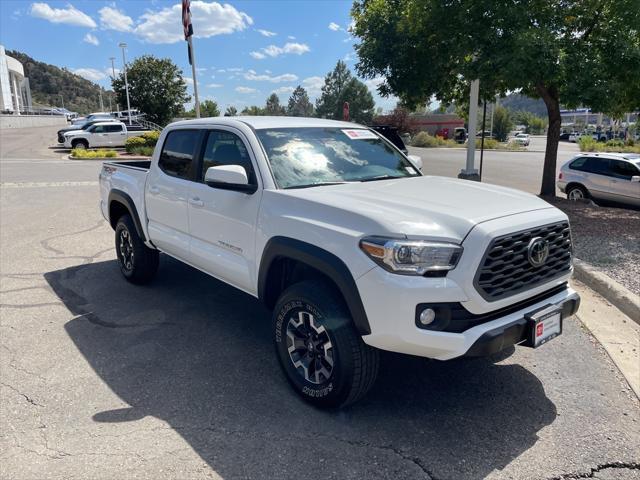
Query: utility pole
x=61, y=99
x=101, y=104
x=469, y=172
x=113, y=76
x=126, y=82
x=195, y=79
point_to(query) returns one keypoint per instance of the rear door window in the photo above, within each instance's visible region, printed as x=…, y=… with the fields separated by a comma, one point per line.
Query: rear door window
x=622, y=169
x=113, y=128
x=176, y=158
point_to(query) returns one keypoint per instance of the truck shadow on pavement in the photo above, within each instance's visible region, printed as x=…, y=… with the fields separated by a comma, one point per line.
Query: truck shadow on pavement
x=197, y=354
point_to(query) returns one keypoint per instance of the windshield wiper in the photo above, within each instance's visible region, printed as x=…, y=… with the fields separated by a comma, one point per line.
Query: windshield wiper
x=317, y=184
x=380, y=177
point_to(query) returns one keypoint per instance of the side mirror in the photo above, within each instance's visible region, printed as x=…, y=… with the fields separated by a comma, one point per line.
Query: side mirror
x=416, y=160
x=635, y=178
x=229, y=177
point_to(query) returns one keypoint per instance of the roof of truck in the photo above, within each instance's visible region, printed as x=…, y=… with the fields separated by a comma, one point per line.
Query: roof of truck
x=270, y=122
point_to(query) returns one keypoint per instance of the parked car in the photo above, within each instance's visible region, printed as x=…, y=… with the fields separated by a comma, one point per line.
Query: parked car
x=612, y=177
x=92, y=116
x=102, y=134
x=564, y=136
x=460, y=135
x=391, y=134
x=71, y=128
x=349, y=245
x=487, y=134
x=521, y=139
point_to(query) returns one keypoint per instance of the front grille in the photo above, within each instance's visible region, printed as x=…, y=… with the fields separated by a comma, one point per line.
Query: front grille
x=505, y=269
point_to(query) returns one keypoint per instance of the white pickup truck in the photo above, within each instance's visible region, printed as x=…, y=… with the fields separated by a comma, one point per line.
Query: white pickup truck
x=101, y=134
x=347, y=242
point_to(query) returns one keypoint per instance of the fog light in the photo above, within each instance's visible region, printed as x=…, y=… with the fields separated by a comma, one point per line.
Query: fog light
x=427, y=316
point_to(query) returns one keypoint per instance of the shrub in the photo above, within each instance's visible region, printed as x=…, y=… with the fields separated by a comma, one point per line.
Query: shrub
x=423, y=139
x=615, y=143
x=82, y=153
x=142, y=150
x=151, y=138
x=489, y=144
x=587, y=144
x=133, y=142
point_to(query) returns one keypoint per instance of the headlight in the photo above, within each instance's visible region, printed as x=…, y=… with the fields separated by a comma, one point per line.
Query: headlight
x=411, y=257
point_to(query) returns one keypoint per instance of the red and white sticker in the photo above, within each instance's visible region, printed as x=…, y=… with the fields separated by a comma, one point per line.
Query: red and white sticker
x=359, y=134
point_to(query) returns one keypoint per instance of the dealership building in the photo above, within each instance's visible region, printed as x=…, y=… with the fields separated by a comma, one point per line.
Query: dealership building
x=15, y=95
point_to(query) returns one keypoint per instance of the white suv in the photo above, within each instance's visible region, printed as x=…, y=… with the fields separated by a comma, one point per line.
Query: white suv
x=613, y=177
x=346, y=241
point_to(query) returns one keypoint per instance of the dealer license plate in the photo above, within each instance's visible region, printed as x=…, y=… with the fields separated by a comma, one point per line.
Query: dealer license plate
x=544, y=325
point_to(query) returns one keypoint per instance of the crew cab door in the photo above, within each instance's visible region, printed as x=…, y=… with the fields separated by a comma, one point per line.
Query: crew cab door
x=115, y=135
x=223, y=222
x=98, y=136
x=167, y=192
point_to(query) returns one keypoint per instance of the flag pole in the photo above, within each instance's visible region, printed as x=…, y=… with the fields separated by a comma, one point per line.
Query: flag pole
x=195, y=80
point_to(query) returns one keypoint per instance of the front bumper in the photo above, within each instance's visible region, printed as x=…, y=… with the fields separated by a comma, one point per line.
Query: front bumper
x=390, y=302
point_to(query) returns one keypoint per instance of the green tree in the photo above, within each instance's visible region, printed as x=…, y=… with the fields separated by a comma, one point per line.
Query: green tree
x=273, y=106
x=341, y=86
x=156, y=87
x=252, y=110
x=502, y=124
x=231, y=111
x=299, y=104
x=209, y=108
x=578, y=52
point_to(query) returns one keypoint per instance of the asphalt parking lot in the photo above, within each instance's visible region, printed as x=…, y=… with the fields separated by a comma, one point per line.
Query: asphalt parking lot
x=178, y=379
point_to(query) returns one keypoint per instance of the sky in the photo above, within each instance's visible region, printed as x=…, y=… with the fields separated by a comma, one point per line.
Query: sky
x=244, y=50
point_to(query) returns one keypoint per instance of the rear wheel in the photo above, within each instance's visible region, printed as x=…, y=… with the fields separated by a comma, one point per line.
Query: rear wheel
x=319, y=349
x=138, y=263
x=577, y=192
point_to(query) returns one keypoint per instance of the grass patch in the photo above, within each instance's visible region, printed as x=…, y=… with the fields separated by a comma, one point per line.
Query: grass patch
x=102, y=153
x=424, y=140
x=142, y=150
x=588, y=144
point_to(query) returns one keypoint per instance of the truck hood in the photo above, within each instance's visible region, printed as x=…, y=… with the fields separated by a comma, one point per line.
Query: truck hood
x=70, y=133
x=421, y=207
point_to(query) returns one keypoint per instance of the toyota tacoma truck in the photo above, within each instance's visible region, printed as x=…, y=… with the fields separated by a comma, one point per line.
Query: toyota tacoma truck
x=352, y=248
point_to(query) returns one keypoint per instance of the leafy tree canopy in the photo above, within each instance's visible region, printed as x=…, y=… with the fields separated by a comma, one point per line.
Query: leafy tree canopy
x=209, y=108
x=273, y=106
x=252, y=110
x=578, y=52
x=502, y=123
x=231, y=111
x=341, y=86
x=156, y=87
x=299, y=104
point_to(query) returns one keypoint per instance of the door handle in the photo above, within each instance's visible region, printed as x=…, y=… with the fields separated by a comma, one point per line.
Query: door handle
x=196, y=202
x=154, y=190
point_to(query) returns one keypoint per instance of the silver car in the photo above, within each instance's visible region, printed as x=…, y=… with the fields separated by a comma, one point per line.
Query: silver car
x=613, y=177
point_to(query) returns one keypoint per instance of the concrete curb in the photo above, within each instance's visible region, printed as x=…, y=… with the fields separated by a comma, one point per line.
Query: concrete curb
x=619, y=296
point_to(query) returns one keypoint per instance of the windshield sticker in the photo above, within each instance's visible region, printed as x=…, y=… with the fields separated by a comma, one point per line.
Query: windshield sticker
x=359, y=134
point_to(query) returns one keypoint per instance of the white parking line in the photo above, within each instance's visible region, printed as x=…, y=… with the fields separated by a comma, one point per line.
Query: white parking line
x=46, y=184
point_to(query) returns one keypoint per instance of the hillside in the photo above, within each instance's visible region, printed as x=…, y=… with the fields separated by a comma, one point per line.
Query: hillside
x=515, y=102
x=47, y=82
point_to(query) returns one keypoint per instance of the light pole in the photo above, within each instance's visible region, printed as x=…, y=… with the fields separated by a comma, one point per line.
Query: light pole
x=126, y=83
x=113, y=71
x=61, y=99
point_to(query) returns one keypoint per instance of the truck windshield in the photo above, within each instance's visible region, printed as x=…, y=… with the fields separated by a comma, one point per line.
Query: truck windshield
x=306, y=157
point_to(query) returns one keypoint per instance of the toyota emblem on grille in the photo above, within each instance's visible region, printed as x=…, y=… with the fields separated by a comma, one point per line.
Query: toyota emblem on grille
x=538, y=251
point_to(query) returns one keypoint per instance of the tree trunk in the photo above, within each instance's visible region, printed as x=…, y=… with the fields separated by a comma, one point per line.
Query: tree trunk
x=550, y=97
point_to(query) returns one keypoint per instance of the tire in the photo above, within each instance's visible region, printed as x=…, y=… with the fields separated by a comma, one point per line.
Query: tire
x=577, y=192
x=80, y=144
x=138, y=263
x=314, y=311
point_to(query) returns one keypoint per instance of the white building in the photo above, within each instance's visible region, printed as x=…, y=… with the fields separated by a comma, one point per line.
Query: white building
x=15, y=95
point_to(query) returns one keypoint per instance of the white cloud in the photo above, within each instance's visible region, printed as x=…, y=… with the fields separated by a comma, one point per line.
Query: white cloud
x=69, y=15
x=284, y=90
x=313, y=85
x=291, y=37
x=334, y=26
x=266, y=33
x=275, y=51
x=92, y=39
x=285, y=77
x=90, y=74
x=209, y=19
x=221, y=70
x=215, y=85
x=113, y=19
x=235, y=69
x=349, y=57
x=109, y=71
x=188, y=80
x=246, y=90
x=373, y=83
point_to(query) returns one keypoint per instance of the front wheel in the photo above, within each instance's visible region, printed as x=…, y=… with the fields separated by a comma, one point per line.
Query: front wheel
x=82, y=144
x=319, y=349
x=138, y=263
